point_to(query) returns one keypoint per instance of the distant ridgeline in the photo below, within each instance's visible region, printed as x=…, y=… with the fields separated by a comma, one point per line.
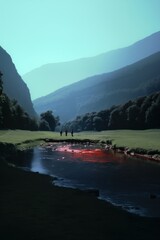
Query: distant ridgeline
x=13, y=85
x=103, y=91
x=49, y=77
x=141, y=113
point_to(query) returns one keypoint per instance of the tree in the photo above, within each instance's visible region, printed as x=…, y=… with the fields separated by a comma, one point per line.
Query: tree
x=1, y=83
x=1, y=118
x=88, y=123
x=114, y=119
x=57, y=119
x=153, y=116
x=44, y=126
x=33, y=124
x=49, y=118
x=104, y=115
x=97, y=123
x=141, y=113
x=147, y=102
x=5, y=104
x=133, y=113
x=12, y=114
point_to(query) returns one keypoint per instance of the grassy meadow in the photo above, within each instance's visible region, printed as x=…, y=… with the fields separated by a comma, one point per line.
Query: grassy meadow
x=144, y=139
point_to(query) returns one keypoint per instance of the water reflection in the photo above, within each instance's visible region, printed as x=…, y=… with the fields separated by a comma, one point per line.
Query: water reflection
x=87, y=153
x=121, y=180
x=37, y=163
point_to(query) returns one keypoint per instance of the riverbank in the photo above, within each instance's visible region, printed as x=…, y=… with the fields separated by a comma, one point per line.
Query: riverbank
x=32, y=208
x=140, y=140
x=153, y=155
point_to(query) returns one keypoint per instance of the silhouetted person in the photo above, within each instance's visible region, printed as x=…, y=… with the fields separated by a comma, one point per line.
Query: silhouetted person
x=66, y=132
x=61, y=133
x=72, y=132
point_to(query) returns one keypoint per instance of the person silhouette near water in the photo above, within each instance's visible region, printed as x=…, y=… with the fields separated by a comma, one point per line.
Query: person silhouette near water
x=61, y=133
x=72, y=132
x=66, y=132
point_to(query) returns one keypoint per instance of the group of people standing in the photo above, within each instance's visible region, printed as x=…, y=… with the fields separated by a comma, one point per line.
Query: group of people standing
x=66, y=132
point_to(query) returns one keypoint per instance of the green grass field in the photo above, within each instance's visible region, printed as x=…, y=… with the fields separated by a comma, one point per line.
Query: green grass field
x=145, y=139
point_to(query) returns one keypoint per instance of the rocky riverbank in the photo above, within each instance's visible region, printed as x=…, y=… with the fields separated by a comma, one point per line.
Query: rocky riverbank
x=153, y=155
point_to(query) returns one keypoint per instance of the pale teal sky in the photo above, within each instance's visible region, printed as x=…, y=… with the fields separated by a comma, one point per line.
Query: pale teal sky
x=37, y=32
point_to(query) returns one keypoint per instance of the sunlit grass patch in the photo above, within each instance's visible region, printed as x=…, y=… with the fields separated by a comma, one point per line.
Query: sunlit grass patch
x=145, y=139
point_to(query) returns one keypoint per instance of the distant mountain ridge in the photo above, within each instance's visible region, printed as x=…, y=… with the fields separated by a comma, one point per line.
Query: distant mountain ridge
x=47, y=78
x=13, y=84
x=102, y=91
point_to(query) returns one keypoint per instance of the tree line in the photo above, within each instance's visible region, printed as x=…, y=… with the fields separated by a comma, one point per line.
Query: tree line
x=141, y=113
x=13, y=116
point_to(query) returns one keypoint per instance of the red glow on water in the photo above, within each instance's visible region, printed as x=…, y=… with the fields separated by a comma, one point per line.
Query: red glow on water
x=88, y=155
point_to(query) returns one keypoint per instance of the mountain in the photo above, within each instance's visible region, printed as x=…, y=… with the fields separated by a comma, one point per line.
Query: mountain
x=50, y=77
x=13, y=84
x=102, y=91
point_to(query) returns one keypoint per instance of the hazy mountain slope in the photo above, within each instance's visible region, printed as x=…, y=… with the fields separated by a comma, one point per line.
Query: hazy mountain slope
x=13, y=84
x=48, y=78
x=102, y=91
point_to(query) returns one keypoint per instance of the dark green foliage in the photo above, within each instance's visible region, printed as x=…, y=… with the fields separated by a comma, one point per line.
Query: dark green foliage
x=57, y=119
x=44, y=126
x=50, y=119
x=153, y=116
x=97, y=122
x=12, y=115
x=1, y=83
x=6, y=111
x=142, y=113
x=13, y=85
x=133, y=115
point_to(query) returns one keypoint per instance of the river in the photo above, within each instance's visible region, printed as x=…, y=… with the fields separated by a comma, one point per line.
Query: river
x=130, y=183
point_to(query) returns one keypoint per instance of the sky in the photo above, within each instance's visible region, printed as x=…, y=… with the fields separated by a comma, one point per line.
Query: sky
x=37, y=32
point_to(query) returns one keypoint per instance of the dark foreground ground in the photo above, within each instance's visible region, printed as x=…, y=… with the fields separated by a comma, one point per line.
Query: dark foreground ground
x=32, y=208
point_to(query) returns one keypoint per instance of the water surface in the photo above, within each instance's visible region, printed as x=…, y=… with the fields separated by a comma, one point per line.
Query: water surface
x=123, y=181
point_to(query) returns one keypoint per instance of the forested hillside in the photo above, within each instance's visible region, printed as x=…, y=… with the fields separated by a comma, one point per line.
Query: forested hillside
x=12, y=115
x=102, y=91
x=141, y=113
x=14, y=86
